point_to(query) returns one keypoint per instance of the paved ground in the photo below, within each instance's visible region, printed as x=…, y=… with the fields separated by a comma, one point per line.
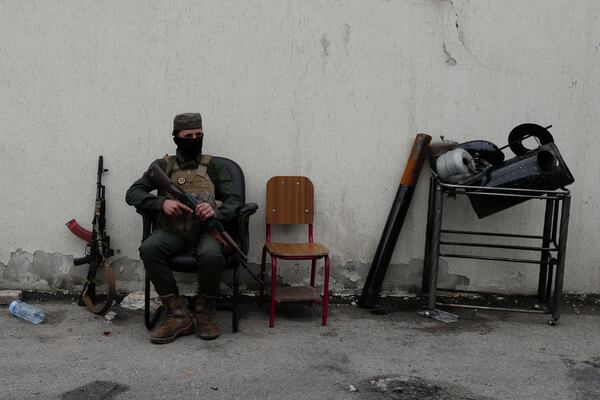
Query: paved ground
x=400, y=355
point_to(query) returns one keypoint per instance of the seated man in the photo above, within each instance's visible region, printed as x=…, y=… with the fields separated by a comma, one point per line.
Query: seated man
x=179, y=230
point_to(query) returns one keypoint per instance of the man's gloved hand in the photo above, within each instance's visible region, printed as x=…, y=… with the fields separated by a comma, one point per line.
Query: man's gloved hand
x=173, y=208
x=204, y=211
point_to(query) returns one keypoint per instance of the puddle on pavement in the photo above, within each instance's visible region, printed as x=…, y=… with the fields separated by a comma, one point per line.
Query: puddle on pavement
x=413, y=388
x=54, y=317
x=96, y=390
x=586, y=377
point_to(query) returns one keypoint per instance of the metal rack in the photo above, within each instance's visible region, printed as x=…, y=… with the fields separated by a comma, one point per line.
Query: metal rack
x=552, y=250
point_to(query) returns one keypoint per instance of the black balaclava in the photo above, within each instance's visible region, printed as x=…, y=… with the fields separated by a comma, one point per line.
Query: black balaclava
x=189, y=148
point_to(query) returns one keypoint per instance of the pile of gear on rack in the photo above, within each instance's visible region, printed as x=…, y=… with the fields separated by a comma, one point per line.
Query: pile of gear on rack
x=482, y=163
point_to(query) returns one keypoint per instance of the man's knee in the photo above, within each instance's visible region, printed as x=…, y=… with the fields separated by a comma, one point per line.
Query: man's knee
x=154, y=250
x=160, y=246
x=149, y=250
x=211, y=255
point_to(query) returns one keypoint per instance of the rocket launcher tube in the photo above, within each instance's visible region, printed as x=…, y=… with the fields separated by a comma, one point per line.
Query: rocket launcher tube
x=393, y=225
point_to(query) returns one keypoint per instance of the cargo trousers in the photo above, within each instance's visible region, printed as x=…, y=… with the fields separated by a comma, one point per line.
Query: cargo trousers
x=163, y=244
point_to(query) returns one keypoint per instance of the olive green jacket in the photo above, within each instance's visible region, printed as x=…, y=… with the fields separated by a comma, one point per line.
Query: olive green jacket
x=139, y=193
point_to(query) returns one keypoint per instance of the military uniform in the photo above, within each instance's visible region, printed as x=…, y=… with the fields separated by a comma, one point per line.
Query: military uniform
x=178, y=235
x=202, y=176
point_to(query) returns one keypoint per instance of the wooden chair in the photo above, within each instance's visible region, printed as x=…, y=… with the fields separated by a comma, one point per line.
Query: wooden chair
x=290, y=200
x=186, y=262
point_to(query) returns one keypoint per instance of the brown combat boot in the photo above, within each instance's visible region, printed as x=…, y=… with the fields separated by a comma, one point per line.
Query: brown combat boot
x=178, y=321
x=206, y=318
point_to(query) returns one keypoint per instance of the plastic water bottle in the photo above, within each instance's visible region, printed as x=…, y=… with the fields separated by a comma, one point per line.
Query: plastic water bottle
x=107, y=323
x=26, y=311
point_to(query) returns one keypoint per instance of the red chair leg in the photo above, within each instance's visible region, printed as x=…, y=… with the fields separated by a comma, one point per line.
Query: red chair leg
x=273, y=290
x=326, y=292
x=261, y=296
x=312, y=272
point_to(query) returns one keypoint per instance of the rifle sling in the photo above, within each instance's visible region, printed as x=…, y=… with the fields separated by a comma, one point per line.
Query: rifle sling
x=110, y=295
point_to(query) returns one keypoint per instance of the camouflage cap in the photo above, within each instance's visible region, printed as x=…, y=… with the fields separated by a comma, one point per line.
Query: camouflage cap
x=187, y=121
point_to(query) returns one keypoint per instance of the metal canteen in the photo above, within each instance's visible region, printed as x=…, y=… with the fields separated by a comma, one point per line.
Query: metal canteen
x=438, y=148
x=455, y=165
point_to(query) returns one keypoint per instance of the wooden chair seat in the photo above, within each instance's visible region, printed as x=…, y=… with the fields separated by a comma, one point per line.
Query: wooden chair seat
x=297, y=249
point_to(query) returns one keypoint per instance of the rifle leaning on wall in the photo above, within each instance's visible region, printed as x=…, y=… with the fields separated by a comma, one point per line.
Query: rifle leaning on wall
x=162, y=180
x=98, y=251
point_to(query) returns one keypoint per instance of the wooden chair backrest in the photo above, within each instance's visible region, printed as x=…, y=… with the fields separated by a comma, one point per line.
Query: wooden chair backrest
x=290, y=200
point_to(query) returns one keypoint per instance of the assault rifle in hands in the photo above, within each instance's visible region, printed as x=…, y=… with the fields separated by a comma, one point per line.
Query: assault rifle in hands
x=162, y=180
x=98, y=251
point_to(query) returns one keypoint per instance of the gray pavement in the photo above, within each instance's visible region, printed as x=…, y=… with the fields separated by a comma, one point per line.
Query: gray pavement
x=401, y=355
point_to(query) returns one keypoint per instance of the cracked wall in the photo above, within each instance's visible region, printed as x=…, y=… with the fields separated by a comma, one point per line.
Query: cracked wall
x=331, y=90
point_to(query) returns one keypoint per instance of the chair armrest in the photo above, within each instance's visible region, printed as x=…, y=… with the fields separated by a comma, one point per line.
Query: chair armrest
x=248, y=209
x=246, y=212
x=147, y=218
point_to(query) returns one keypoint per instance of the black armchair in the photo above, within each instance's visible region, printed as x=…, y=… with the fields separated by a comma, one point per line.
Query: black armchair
x=238, y=229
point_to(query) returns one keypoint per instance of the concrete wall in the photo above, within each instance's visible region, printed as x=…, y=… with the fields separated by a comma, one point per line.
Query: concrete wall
x=334, y=90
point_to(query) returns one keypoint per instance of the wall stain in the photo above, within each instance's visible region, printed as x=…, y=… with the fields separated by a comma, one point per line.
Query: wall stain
x=399, y=278
x=407, y=277
x=346, y=36
x=451, y=61
x=460, y=31
x=128, y=269
x=325, y=44
x=56, y=272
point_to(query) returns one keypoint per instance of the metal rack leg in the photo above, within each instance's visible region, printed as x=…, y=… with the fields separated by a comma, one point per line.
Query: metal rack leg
x=435, y=247
x=543, y=293
x=560, y=266
x=549, y=281
x=427, y=252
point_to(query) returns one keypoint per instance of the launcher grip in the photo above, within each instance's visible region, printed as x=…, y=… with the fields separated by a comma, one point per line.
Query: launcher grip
x=79, y=231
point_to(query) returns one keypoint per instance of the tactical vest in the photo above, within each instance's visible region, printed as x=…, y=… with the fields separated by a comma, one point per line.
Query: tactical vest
x=192, y=181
